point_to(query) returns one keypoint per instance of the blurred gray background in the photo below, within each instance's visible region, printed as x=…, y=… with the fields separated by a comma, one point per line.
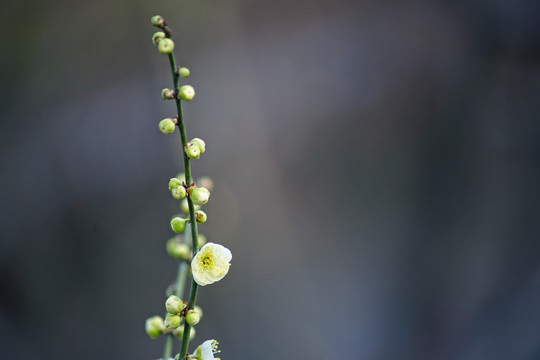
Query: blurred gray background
x=377, y=170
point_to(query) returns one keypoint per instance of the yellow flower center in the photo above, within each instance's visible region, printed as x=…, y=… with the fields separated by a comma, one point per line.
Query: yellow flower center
x=207, y=261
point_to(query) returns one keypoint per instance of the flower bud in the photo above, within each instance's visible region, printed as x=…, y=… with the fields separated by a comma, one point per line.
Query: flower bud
x=178, y=250
x=198, y=310
x=192, y=318
x=156, y=38
x=180, y=332
x=167, y=126
x=182, y=252
x=178, y=192
x=167, y=94
x=172, y=321
x=199, y=143
x=178, y=224
x=184, y=206
x=174, y=182
x=206, y=181
x=199, y=195
x=200, y=216
x=157, y=21
x=154, y=326
x=171, y=243
x=166, y=46
x=174, y=305
x=202, y=240
x=192, y=151
x=183, y=72
x=186, y=92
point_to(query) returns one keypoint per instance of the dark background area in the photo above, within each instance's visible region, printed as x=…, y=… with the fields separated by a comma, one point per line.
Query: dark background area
x=377, y=170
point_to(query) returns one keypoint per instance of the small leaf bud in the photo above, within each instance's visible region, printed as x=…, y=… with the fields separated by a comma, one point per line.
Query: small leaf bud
x=199, y=195
x=200, y=216
x=167, y=94
x=174, y=305
x=158, y=21
x=198, y=310
x=172, y=321
x=156, y=38
x=206, y=181
x=178, y=224
x=192, y=318
x=184, y=206
x=202, y=240
x=154, y=326
x=174, y=182
x=183, y=72
x=178, y=192
x=192, y=151
x=167, y=126
x=180, y=332
x=186, y=92
x=166, y=46
x=200, y=144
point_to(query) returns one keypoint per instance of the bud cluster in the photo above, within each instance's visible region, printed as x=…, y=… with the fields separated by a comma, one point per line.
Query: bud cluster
x=177, y=189
x=176, y=310
x=195, y=148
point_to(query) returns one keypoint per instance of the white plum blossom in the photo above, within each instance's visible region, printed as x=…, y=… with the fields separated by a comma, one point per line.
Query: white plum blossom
x=206, y=351
x=210, y=264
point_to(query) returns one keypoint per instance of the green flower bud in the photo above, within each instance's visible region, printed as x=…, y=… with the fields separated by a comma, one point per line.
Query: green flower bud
x=178, y=250
x=183, y=72
x=172, y=321
x=192, y=151
x=157, y=21
x=174, y=182
x=206, y=181
x=199, y=143
x=166, y=46
x=167, y=126
x=198, y=310
x=171, y=244
x=178, y=224
x=199, y=195
x=186, y=92
x=154, y=326
x=182, y=252
x=200, y=216
x=184, y=206
x=156, y=38
x=178, y=192
x=174, y=305
x=180, y=332
x=192, y=318
x=167, y=94
x=202, y=240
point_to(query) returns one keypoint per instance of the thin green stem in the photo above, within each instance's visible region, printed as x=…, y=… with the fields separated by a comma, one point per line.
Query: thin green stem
x=167, y=351
x=189, y=181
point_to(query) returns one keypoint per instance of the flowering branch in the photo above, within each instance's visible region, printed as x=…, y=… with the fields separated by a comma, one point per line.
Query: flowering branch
x=209, y=264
